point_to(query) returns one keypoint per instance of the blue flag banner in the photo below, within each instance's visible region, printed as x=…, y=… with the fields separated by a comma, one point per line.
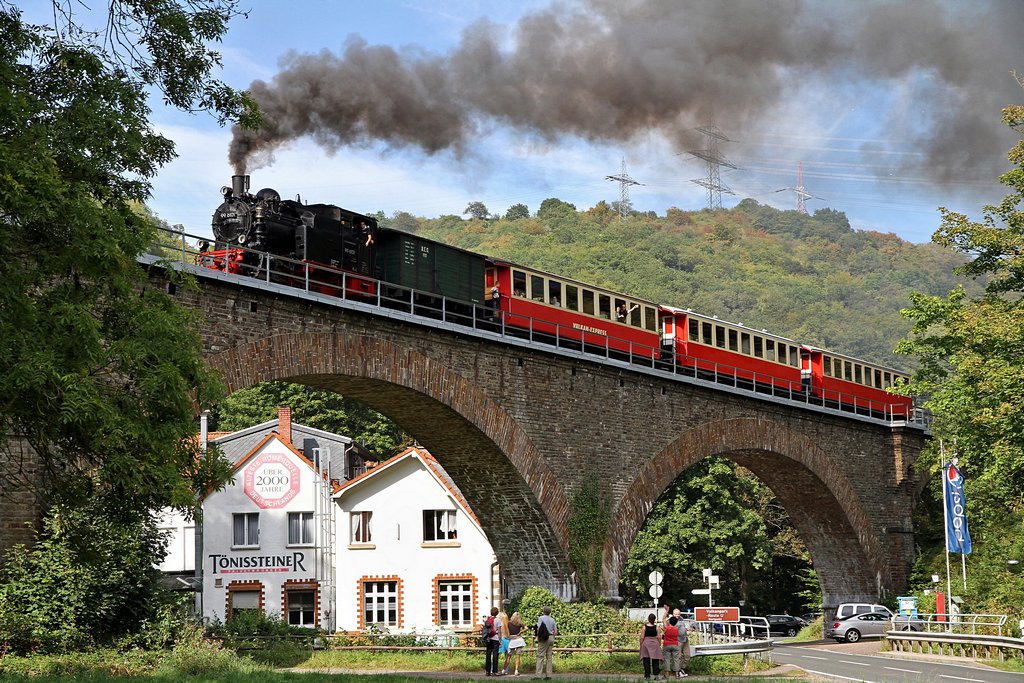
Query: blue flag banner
x=958, y=538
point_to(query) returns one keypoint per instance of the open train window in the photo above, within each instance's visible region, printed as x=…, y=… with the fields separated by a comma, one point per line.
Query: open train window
x=572, y=297
x=858, y=376
x=537, y=288
x=878, y=378
x=636, y=316
x=769, y=349
x=518, y=283
x=719, y=336
x=827, y=365
x=847, y=371
x=745, y=343
x=604, y=306
x=888, y=380
x=781, y=349
x=588, y=302
x=733, y=340
x=554, y=293
x=758, y=346
x=705, y=334
x=694, y=330
x=794, y=356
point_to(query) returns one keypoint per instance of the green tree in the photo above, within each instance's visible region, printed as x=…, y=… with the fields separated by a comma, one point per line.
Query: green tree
x=89, y=578
x=478, y=211
x=517, y=211
x=101, y=373
x=969, y=348
x=316, y=408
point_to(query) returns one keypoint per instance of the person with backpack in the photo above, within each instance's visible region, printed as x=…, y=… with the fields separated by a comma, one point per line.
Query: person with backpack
x=547, y=629
x=492, y=640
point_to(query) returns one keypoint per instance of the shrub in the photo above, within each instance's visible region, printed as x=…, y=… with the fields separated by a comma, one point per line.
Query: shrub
x=574, y=620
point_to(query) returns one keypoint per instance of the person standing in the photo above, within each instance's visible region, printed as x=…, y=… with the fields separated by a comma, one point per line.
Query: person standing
x=682, y=638
x=547, y=629
x=493, y=643
x=495, y=299
x=516, y=641
x=670, y=647
x=650, y=647
x=501, y=626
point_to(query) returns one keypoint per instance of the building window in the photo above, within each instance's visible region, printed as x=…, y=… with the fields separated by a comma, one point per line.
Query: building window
x=301, y=608
x=244, y=601
x=455, y=603
x=246, y=530
x=439, y=525
x=380, y=603
x=360, y=524
x=300, y=528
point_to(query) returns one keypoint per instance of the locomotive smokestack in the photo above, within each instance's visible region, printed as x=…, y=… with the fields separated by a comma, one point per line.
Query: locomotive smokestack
x=239, y=185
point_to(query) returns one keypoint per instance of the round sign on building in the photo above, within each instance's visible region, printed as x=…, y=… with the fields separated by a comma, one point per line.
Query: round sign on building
x=271, y=480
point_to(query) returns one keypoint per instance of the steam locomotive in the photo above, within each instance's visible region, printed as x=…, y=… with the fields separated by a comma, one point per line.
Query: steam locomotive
x=334, y=251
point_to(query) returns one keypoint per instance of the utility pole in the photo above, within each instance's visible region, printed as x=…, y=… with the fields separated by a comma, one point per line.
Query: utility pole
x=624, y=182
x=714, y=160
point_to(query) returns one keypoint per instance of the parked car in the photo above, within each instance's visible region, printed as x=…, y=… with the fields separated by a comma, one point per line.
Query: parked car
x=785, y=624
x=810, y=616
x=857, y=626
x=849, y=608
x=754, y=627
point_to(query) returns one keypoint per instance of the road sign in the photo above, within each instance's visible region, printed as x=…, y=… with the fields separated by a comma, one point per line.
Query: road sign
x=701, y=591
x=655, y=577
x=716, y=614
x=655, y=591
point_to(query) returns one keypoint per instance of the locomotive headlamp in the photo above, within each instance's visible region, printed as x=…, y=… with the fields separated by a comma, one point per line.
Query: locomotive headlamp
x=226, y=191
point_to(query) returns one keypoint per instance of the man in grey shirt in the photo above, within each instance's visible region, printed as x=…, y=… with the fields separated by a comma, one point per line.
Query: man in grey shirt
x=545, y=646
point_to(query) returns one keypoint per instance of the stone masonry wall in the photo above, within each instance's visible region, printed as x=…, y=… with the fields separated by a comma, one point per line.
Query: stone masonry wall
x=519, y=430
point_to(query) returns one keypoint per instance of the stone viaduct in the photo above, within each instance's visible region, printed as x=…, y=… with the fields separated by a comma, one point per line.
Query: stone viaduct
x=520, y=428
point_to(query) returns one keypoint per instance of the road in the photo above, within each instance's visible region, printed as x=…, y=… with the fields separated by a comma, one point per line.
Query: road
x=862, y=662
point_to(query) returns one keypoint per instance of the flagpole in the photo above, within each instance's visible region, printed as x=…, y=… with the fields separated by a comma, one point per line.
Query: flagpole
x=945, y=526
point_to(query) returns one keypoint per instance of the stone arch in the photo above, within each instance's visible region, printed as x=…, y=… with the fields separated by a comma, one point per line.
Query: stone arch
x=819, y=498
x=518, y=499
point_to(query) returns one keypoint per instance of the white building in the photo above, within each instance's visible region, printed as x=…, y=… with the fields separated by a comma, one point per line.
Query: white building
x=311, y=535
x=415, y=556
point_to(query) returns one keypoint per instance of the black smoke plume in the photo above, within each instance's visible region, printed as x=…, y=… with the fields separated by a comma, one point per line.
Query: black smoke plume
x=606, y=70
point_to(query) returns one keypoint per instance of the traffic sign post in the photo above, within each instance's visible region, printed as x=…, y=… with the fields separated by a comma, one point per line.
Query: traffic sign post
x=655, y=590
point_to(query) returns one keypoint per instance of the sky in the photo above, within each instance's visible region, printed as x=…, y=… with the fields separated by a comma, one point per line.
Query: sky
x=891, y=108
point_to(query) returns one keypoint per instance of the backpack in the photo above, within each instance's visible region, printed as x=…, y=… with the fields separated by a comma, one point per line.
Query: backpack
x=542, y=632
x=487, y=630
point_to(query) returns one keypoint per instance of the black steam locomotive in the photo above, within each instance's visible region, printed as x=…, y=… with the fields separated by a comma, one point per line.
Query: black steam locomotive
x=332, y=250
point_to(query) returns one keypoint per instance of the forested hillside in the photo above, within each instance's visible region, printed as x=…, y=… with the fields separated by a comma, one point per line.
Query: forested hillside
x=808, y=277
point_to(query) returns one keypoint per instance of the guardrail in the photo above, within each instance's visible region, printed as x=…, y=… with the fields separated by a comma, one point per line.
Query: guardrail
x=335, y=284
x=969, y=645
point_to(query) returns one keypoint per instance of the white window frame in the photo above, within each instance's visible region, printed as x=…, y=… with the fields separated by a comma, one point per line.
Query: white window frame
x=300, y=529
x=361, y=527
x=380, y=603
x=307, y=614
x=444, y=527
x=250, y=530
x=455, y=596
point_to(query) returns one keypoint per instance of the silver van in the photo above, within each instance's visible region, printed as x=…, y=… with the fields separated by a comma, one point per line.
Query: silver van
x=848, y=609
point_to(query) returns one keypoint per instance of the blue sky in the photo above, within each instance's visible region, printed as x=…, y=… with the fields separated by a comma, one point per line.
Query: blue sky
x=861, y=98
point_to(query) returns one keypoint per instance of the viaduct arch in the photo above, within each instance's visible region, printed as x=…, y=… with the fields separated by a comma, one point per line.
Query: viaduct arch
x=519, y=428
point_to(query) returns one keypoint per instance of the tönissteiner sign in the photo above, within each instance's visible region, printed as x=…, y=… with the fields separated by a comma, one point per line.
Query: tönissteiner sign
x=271, y=480
x=245, y=564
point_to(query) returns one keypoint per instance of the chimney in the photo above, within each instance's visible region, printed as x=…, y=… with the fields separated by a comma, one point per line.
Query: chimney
x=284, y=423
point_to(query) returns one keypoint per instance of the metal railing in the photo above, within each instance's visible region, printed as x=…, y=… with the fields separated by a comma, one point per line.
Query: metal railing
x=324, y=281
x=973, y=624
x=968, y=645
